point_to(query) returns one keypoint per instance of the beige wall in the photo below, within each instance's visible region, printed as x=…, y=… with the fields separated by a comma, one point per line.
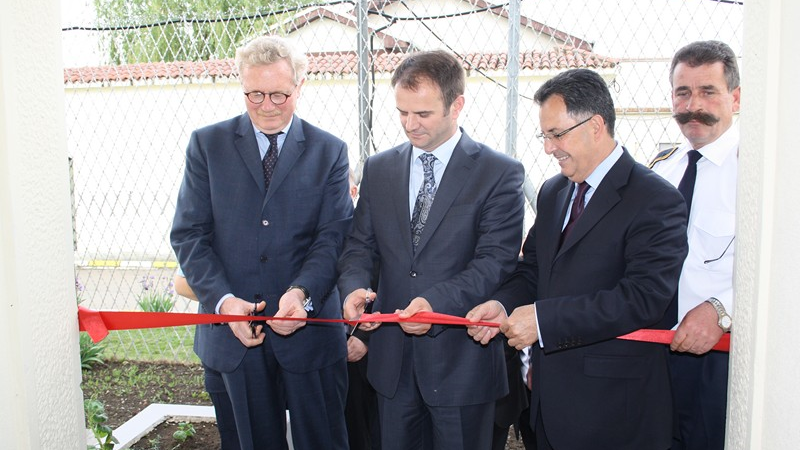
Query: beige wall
x=40, y=376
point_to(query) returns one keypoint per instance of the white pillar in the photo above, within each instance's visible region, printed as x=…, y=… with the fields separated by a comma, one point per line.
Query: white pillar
x=40, y=377
x=764, y=385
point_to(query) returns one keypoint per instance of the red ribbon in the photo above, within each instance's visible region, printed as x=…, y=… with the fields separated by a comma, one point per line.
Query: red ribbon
x=665, y=337
x=99, y=323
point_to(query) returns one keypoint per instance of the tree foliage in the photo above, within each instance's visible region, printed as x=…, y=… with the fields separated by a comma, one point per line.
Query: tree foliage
x=141, y=31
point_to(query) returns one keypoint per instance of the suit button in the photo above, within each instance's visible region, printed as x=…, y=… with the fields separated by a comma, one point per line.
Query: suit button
x=263, y=259
x=265, y=222
x=412, y=274
x=258, y=297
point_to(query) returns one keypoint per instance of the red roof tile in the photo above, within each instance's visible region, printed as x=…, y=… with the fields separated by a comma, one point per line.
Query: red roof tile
x=332, y=64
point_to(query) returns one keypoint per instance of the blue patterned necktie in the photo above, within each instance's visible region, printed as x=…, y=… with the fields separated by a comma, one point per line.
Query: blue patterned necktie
x=271, y=158
x=424, y=199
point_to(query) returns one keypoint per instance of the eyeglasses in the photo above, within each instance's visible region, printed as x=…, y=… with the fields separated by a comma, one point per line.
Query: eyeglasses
x=277, y=98
x=557, y=136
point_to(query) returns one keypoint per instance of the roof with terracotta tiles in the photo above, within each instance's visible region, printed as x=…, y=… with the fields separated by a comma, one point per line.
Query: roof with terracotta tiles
x=337, y=65
x=502, y=11
x=311, y=15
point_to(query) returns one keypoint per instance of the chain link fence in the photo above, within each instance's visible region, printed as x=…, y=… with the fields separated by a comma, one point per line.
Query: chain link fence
x=141, y=75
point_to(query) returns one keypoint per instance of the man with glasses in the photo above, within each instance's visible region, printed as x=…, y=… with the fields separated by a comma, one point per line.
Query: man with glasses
x=705, y=96
x=601, y=260
x=259, y=224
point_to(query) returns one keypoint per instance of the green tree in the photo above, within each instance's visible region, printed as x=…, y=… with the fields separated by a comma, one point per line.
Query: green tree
x=139, y=31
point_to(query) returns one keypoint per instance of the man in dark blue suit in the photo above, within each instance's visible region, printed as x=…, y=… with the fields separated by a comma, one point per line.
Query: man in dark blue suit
x=440, y=218
x=260, y=221
x=601, y=260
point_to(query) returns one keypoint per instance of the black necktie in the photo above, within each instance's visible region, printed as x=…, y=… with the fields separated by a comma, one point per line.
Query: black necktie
x=686, y=186
x=576, y=210
x=424, y=198
x=270, y=158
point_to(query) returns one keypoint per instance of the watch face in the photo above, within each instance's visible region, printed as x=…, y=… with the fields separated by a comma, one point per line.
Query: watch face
x=725, y=322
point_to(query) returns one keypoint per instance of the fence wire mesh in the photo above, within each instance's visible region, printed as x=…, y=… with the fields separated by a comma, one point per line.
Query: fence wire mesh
x=141, y=75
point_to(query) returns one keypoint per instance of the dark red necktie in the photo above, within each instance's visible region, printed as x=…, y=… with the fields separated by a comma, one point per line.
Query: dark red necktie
x=576, y=210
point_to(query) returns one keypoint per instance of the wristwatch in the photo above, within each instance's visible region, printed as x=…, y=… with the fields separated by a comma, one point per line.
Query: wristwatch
x=307, y=305
x=723, y=319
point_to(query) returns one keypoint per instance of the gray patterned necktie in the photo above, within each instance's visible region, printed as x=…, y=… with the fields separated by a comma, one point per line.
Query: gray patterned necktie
x=424, y=198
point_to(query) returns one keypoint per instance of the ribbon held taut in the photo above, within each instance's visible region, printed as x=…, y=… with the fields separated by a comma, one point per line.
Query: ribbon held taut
x=98, y=323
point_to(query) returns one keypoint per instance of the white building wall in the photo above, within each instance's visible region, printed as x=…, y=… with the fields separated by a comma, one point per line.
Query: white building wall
x=40, y=376
x=128, y=159
x=764, y=397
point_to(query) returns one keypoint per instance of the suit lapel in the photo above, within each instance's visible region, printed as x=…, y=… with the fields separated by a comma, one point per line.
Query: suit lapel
x=454, y=179
x=247, y=147
x=605, y=197
x=400, y=196
x=556, y=222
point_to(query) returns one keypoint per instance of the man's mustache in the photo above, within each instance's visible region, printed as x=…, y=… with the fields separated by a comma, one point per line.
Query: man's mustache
x=704, y=118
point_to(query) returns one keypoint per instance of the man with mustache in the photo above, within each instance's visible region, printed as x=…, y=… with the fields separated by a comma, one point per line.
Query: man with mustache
x=705, y=96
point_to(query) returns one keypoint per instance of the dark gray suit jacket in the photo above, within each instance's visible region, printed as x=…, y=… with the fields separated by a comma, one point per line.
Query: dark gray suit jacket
x=469, y=245
x=231, y=236
x=616, y=272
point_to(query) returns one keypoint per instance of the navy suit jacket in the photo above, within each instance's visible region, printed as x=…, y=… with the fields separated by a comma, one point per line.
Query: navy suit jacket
x=616, y=272
x=470, y=243
x=231, y=236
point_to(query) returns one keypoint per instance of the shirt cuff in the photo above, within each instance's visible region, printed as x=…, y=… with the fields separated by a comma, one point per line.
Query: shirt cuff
x=538, y=330
x=219, y=303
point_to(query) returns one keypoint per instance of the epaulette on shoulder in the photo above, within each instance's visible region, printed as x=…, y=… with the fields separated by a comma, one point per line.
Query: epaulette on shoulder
x=662, y=155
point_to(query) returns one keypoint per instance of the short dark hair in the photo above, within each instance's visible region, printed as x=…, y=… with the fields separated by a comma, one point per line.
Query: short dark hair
x=438, y=67
x=584, y=92
x=708, y=52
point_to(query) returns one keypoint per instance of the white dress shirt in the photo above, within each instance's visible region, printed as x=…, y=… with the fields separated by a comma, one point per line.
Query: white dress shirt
x=708, y=269
x=416, y=177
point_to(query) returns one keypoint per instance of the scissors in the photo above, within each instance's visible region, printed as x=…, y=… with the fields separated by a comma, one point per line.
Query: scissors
x=367, y=309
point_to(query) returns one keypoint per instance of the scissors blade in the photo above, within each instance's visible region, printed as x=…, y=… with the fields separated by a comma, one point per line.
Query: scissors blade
x=355, y=325
x=367, y=308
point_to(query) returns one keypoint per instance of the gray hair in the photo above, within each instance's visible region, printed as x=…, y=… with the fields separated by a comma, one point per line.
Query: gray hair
x=708, y=52
x=271, y=49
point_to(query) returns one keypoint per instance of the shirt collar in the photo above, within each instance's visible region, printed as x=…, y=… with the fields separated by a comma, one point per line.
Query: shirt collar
x=442, y=152
x=281, y=137
x=719, y=150
x=602, y=169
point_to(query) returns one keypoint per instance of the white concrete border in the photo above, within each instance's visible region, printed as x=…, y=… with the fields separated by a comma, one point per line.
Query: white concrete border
x=155, y=414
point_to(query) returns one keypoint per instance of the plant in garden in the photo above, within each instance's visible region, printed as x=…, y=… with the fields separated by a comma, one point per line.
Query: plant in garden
x=154, y=300
x=185, y=431
x=91, y=353
x=96, y=419
x=79, y=288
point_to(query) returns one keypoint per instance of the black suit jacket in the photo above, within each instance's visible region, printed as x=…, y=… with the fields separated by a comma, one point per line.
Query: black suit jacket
x=616, y=272
x=468, y=246
x=232, y=236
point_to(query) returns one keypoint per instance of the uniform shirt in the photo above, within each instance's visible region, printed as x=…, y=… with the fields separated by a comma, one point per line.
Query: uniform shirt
x=708, y=269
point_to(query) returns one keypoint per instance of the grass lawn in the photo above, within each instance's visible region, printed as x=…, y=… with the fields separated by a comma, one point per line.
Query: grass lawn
x=156, y=344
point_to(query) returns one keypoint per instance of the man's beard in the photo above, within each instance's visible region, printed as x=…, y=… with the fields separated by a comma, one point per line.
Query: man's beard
x=704, y=118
